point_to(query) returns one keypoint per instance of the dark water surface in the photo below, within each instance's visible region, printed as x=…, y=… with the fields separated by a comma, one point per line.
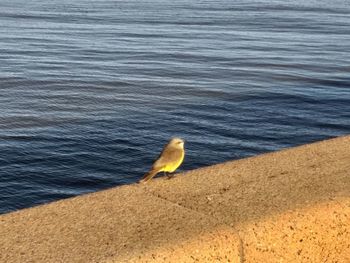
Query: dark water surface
x=91, y=90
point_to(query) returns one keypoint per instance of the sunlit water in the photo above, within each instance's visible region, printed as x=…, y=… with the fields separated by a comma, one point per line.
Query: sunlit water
x=92, y=90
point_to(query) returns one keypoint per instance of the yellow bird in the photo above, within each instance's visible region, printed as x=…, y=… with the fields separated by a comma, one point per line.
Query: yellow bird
x=169, y=160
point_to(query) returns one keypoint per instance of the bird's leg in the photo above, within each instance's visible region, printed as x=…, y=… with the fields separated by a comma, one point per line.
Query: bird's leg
x=170, y=175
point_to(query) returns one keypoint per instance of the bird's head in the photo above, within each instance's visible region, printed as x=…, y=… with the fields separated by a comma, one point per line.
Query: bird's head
x=177, y=142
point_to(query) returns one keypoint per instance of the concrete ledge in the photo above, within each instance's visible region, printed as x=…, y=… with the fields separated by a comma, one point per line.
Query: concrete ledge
x=287, y=206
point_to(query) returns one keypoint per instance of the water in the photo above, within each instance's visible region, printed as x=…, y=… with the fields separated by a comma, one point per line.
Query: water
x=92, y=90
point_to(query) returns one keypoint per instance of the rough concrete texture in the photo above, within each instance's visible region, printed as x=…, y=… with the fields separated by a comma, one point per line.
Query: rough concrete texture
x=287, y=206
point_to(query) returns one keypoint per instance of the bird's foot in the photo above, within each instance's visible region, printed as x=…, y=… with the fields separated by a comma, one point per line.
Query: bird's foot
x=169, y=175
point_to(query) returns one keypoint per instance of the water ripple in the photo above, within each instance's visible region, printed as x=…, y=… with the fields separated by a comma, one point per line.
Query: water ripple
x=91, y=90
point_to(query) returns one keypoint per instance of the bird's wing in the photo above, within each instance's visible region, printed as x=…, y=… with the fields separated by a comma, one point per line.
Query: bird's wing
x=168, y=155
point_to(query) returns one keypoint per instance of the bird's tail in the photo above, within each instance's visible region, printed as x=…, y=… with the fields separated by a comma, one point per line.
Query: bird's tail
x=148, y=176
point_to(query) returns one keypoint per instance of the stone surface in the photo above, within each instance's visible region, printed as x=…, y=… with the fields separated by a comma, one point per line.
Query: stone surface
x=123, y=224
x=287, y=206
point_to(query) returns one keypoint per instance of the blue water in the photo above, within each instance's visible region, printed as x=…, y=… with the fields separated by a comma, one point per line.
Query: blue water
x=92, y=90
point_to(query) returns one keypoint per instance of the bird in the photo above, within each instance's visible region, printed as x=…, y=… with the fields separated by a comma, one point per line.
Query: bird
x=169, y=159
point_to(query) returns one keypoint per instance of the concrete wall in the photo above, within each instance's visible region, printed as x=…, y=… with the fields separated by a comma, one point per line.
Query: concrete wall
x=287, y=206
